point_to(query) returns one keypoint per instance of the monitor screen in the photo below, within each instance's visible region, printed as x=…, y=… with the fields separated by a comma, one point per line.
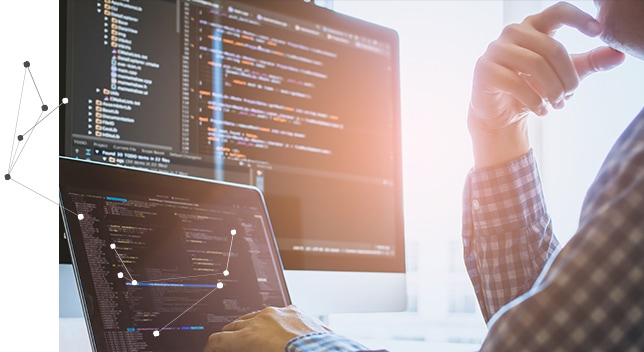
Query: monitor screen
x=295, y=99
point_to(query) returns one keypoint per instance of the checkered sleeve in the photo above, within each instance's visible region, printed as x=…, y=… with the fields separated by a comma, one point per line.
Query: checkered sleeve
x=325, y=342
x=590, y=296
x=507, y=232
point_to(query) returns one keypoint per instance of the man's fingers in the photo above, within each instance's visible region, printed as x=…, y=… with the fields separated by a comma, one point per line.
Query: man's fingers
x=242, y=321
x=561, y=14
x=239, y=322
x=218, y=342
x=249, y=315
x=232, y=326
x=521, y=86
x=599, y=59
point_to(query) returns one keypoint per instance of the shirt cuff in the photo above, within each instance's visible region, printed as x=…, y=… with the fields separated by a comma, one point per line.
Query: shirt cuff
x=323, y=342
x=506, y=197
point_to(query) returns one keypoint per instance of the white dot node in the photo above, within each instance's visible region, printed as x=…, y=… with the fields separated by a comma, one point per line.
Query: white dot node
x=81, y=216
x=155, y=333
x=65, y=100
x=113, y=246
x=233, y=232
x=119, y=275
x=220, y=284
x=226, y=273
x=134, y=282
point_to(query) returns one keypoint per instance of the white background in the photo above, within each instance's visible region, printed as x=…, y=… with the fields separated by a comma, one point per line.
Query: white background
x=30, y=232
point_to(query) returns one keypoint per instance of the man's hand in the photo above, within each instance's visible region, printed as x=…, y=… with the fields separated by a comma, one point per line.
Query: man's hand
x=267, y=330
x=526, y=70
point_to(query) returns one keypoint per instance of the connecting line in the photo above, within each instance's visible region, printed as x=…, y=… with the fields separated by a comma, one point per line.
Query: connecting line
x=183, y=277
x=29, y=131
x=185, y=311
x=230, y=250
x=41, y=120
x=32, y=78
x=128, y=272
x=14, y=157
x=17, y=118
x=14, y=180
x=65, y=209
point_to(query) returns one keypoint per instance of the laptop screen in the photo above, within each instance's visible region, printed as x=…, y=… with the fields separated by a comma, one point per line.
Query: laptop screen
x=164, y=261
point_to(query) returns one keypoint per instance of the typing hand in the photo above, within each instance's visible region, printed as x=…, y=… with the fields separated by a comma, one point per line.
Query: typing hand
x=267, y=330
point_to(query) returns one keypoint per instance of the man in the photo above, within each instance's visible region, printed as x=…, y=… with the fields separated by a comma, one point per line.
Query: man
x=587, y=297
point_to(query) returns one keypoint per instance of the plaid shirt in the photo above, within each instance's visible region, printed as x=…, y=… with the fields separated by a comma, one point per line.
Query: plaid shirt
x=324, y=342
x=589, y=296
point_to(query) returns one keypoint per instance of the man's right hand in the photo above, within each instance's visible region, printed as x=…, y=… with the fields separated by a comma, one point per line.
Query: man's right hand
x=526, y=70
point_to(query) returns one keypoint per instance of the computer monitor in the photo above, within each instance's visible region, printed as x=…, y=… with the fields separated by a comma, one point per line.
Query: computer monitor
x=290, y=97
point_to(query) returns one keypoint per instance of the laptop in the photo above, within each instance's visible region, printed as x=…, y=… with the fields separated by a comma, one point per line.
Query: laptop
x=162, y=261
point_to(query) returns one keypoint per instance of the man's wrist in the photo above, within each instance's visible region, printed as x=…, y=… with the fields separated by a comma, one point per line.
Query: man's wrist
x=492, y=147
